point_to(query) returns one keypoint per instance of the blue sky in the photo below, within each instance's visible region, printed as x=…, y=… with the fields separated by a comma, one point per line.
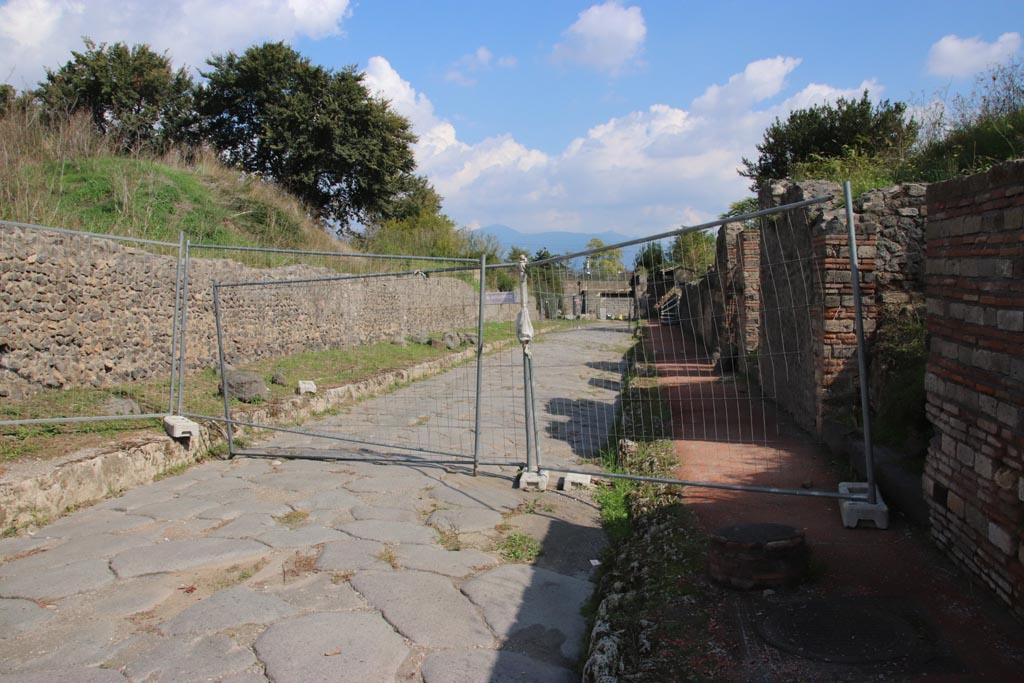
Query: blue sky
x=580, y=116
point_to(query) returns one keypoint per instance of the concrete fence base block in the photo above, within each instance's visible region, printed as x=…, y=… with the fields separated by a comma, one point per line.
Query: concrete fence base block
x=533, y=481
x=573, y=481
x=856, y=511
x=178, y=427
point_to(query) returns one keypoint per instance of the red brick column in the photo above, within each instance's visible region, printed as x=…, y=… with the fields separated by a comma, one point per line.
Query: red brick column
x=975, y=382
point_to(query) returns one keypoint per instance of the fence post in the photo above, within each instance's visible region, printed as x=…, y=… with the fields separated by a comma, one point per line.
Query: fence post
x=862, y=365
x=184, y=324
x=174, y=324
x=223, y=367
x=479, y=361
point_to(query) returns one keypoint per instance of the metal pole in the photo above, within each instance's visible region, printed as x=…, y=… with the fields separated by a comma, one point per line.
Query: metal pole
x=479, y=361
x=184, y=324
x=223, y=368
x=174, y=326
x=862, y=365
x=531, y=453
x=533, y=415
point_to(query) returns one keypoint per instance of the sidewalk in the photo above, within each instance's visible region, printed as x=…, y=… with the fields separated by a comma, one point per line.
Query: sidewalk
x=870, y=582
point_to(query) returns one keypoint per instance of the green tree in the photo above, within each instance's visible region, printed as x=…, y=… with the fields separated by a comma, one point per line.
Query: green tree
x=425, y=234
x=651, y=257
x=315, y=131
x=831, y=130
x=606, y=261
x=132, y=93
x=693, y=251
x=7, y=95
x=515, y=252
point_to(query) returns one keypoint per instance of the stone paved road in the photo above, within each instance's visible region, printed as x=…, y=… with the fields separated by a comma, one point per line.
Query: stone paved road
x=264, y=570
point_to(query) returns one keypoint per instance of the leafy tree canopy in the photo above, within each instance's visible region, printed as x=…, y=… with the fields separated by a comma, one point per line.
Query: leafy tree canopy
x=650, y=257
x=606, y=261
x=315, y=131
x=831, y=130
x=693, y=251
x=7, y=95
x=132, y=93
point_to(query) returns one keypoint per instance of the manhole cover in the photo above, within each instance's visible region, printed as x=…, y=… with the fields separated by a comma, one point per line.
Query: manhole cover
x=841, y=631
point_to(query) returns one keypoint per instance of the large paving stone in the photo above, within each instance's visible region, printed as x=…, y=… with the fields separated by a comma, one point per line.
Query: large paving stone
x=332, y=647
x=536, y=610
x=335, y=499
x=155, y=659
x=233, y=509
x=302, y=537
x=320, y=593
x=180, y=555
x=124, y=597
x=17, y=547
x=431, y=558
x=57, y=582
x=175, y=509
x=351, y=555
x=79, y=675
x=384, y=514
x=465, y=519
x=389, y=532
x=93, y=522
x=246, y=526
x=418, y=603
x=97, y=547
x=226, y=609
x=491, y=666
x=17, y=615
x=391, y=479
x=490, y=497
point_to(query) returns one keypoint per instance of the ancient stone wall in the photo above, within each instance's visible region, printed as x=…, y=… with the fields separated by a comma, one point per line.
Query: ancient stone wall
x=974, y=473
x=82, y=311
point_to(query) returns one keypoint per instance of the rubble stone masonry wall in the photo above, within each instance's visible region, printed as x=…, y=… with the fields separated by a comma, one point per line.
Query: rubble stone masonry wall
x=974, y=473
x=80, y=311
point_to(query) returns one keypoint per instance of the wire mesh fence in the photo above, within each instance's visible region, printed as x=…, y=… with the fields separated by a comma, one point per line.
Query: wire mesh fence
x=724, y=349
x=87, y=330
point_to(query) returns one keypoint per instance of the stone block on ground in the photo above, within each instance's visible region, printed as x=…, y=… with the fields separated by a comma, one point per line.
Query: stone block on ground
x=574, y=480
x=246, y=386
x=305, y=387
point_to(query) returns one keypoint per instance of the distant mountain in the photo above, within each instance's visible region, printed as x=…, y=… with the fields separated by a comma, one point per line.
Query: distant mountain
x=557, y=241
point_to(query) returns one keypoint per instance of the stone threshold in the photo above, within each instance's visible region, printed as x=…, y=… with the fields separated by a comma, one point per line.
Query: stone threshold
x=36, y=492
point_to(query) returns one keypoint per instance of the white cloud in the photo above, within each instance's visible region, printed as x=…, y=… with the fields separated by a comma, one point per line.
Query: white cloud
x=956, y=57
x=479, y=60
x=42, y=33
x=645, y=172
x=607, y=37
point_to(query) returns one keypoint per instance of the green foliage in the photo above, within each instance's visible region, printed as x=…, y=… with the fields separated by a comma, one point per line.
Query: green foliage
x=694, y=251
x=978, y=129
x=864, y=171
x=518, y=547
x=132, y=93
x=7, y=96
x=315, y=131
x=651, y=257
x=828, y=131
x=900, y=358
x=606, y=261
x=425, y=234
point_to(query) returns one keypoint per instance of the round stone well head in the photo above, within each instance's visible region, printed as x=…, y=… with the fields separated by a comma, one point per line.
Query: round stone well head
x=755, y=555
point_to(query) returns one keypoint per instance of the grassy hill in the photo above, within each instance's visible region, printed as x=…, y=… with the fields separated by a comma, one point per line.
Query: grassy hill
x=67, y=176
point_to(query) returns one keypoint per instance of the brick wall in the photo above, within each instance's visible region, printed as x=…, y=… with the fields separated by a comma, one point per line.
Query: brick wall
x=975, y=383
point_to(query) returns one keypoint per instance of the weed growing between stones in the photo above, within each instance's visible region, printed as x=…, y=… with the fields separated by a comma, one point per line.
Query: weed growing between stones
x=388, y=555
x=518, y=547
x=448, y=537
x=293, y=520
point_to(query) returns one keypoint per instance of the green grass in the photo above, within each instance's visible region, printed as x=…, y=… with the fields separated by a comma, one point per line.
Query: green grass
x=327, y=368
x=518, y=547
